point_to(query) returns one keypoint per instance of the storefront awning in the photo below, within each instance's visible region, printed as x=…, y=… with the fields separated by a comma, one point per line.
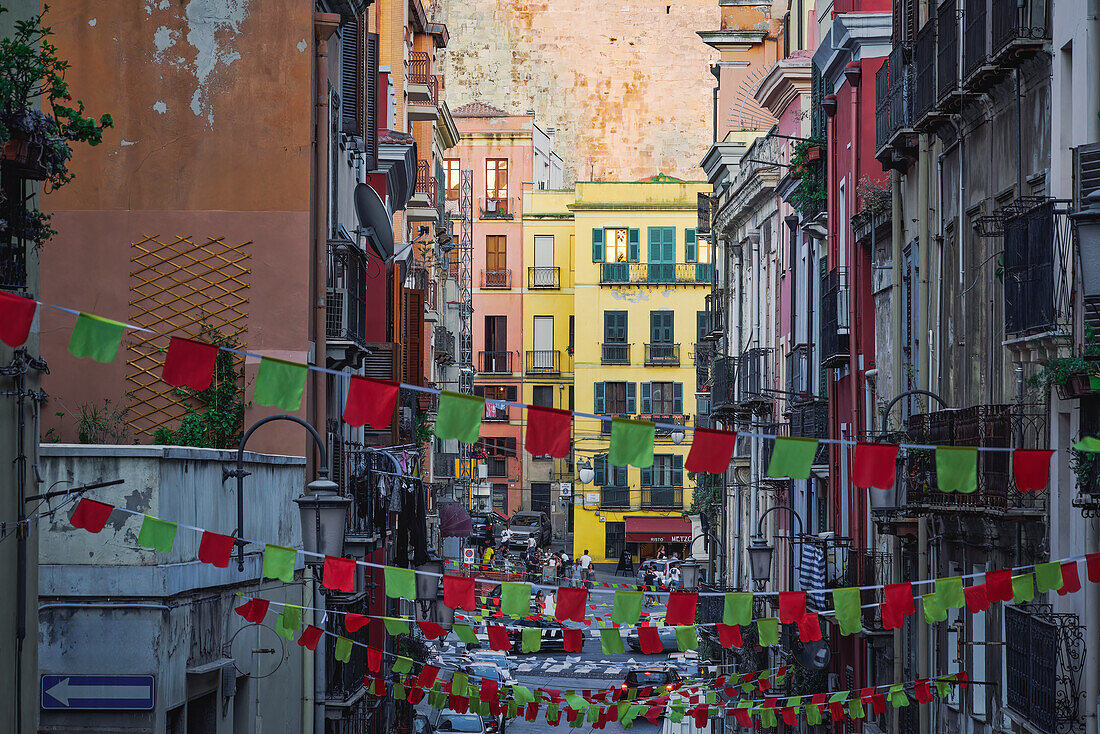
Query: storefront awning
x=658, y=530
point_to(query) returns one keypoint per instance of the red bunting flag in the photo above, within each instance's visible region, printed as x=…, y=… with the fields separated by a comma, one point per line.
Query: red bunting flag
x=976, y=599
x=700, y=714
x=254, y=610
x=1031, y=469
x=570, y=603
x=354, y=622
x=792, y=606
x=458, y=704
x=743, y=717
x=310, y=637
x=90, y=515
x=458, y=592
x=189, y=363
x=427, y=676
x=431, y=630
x=649, y=640
x=878, y=702
x=574, y=640
x=729, y=635
x=415, y=696
x=892, y=618
x=1092, y=567
x=1071, y=582
x=374, y=659
x=809, y=627
x=711, y=450
x=681, y=608
x=922, y=691
x=998, y=585
x=790, y=716
x=532, y=711
x=901, y=597
x=16, y=317
x=488, y=690
x=339, y=574
x=548, y=432
x=498, y=637
x=370, y=401
x=874, y=464
x=377, y=687
x=215, y=549
x=836, y=710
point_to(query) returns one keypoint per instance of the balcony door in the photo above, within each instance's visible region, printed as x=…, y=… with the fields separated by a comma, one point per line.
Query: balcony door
x=496, y=344
x=496, y=253
x=544, y=251
x=544, y=343
x=662, y=254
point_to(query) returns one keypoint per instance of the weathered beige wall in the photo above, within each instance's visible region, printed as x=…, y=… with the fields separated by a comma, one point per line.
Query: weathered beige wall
x=626, y=84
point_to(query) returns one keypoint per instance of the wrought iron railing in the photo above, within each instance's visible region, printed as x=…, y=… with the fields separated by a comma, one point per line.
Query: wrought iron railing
x=343, y=680
x=893, y=94
x=543, y=277
x=547, y=361
x=723, y=382
x=496, y=278
x=670, y=419
x=800, y=385
x=13, y=265
x=655, y=497
x=1012, y=22
x=420, y=73
x=947, y=49
x=615, y=353
x=496, y=413
x=1044, y=656
x=495, y=362
x=662, y=354
x=811, y=420
x=847, y=567
x=620, y=273
x=924, y=71
x=834, y=318
x=426, y=182
x=498, y=208
x=754, y=374
x=444, y=345
x=976, y=36
x=611, y=496
x=1037, y=271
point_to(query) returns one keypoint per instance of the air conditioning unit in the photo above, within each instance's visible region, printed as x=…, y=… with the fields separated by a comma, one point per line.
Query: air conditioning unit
x=566, y=489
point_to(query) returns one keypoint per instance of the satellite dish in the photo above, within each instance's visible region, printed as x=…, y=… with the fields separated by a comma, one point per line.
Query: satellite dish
x=814, y=655
x=374, y=220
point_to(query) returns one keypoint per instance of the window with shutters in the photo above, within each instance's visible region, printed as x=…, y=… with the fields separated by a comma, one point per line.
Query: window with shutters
x=614, y=327
x=662, y=483
x=614, y=397
x=664, y=402
x=543, y=396
x=414, y=336
x=496, y=252
x=493, y=411
x=351, y=79
x=614, y=539
x=608, y=475
x=452, y=177
x=615, y=248
x=371, y=106
x=661, y=326
x=496, y=179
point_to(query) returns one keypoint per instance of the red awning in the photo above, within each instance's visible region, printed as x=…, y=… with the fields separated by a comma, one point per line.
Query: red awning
x=658, y=530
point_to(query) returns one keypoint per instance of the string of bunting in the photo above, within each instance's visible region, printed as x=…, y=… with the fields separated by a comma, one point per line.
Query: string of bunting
x=281, y=383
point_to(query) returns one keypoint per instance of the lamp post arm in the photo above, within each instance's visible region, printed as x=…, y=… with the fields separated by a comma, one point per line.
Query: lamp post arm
x=760, y=522
x=240, y=473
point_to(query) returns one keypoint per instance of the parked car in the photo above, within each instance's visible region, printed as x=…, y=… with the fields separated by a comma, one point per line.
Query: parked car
x=421, y=725
x=667, y=636
x=467, y=723
x=655, y=677
x=527, y=524
x=660, y=567
x=503, y=676
x=486, y=526
x=553, y=633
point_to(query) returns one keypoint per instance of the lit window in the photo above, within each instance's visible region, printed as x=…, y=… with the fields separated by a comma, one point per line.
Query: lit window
x=615, y=246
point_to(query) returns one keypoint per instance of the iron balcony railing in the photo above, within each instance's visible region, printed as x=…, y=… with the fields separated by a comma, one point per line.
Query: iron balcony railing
x=834, y=318
x=947, y=49
x=976, y=36
x=621, y=273
x=924, y=71
x=544, y=277
x=546, y=361
x=662, y=354
x=426, y=182
x=444, y=345
x=799, y=378
x=611, y=496
x=495, y=362
x=662, y=497
x=1037, y=270
x=893, y=94
x=500, y=278
x=848, y=567
x=13, y=265
x=675, y=419
x=495, y=413
x=811, y=420
x=754, y=375
x=615, y=353
x=1041, y=659
x=498, y=208
x=1019, y=25
x=443, y=464
x=420, y=73
x=723, y=382
x=343, y=681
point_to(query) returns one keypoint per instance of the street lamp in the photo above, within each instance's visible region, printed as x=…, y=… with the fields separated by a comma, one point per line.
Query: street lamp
x=428, y=575
x=760, y=560
x=1087, y=222
x=324, y=518
x=584, y=471
x=677, y=436
x=689, y=574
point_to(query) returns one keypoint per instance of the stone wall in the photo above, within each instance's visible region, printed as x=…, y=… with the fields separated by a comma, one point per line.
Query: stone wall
x=625, y=85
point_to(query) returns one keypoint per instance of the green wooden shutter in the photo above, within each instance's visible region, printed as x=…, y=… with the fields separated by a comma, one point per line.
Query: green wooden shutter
x=701, y=324
x=689, y=245
x=677, y=470
x=647, y=397
x=631, y=397
x=678, y=397
x=669, y=244
x=647, y=477
x=597, y=245
x=598, y=397
x=633, y=246
x=600, y=467
x=656, y=239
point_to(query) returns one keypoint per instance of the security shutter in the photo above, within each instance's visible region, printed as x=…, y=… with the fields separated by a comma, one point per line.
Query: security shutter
x=351, y=75
x=414, y=321
x=370, y=134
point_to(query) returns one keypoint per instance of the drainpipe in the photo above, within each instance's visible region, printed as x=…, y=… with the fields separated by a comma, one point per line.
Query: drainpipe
x=308, y=702
x=922, y=293
x=896, y=233
x=923, y=638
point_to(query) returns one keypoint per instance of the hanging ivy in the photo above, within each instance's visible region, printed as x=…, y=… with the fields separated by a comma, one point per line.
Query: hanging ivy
x=809, y=170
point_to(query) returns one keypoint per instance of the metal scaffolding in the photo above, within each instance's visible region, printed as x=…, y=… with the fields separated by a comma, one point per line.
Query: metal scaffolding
x=465, y=312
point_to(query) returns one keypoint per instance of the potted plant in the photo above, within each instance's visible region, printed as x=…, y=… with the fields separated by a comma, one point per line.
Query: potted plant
x=1074, y=376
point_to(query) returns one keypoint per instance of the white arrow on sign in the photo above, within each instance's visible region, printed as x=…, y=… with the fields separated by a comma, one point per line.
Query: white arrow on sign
x=63, y=690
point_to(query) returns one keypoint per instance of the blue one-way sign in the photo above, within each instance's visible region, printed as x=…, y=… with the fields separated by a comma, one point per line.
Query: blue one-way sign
x=69, y=692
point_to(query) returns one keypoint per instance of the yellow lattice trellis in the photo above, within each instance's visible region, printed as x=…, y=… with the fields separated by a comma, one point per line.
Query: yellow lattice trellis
x=175, y=287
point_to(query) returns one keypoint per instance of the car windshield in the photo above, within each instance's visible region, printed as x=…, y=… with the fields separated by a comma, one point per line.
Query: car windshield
x=460, y=723
x=485, y=671
x=647, y=678
x=526, y=520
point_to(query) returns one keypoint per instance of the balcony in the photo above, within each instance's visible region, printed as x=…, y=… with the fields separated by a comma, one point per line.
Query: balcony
x=753, y=377
x=704, y=359
x=1043, y=664
x=1018, y=31
x=947, y=54
x=444, y=345
x=640, y=274
x=495, y=362
x=977, y=63
x=544, y=278
x=615, y=497
x=811, y=420
x=662, y=498
x=834, y=318
x=502, y=208
x=13, y=265
x=846, y=567
x=800, y=387
x=344, y=681
x=715, y=315
x=615, y=353
x=675, y=419
x=443, y=464
x=423, y=206
x=894, y=108
x=662, y=354
x=496, y=279
x=924, y=71
x=544, y=361
x=723, y=384
x=422, y=88
x=1037, y=267
x=345, y=302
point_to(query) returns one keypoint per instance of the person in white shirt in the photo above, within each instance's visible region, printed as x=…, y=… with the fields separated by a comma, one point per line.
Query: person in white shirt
x=586, y=560
x=587, y=572
x=531, y=542
x=505, y=537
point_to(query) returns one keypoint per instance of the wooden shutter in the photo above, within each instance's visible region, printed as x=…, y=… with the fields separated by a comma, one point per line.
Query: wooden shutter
x=597, y=245
x=689, y=245
x=633, y=246
x=700, y=326
x=631, y=397
x=678, y=397
x=598, y=398
x=677, y=470
x=669, y=245
x=511, y=393
x=414, y=337
x=351, y=76
x=600, y=468
x=656, y=239
x=647, y=397
x=370, y=123
x=647, y=476
x=1088, y=171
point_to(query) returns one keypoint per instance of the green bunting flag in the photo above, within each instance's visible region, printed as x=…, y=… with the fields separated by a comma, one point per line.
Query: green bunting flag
x=855, y=709
x=279, y=562
x=686, y=638
x=96, y=338
x=846, y=603
x=280, y=383
x=628, y=607
x=342, y=652
x=515, y=599
x=897, y=697
x=1023, y=588
x=813, y=714
x=593, y=713
x=465, y=634
x=1048, y=576
x=157, y=534
x=957, y=468
x=575, y=702
x=611, y=641
x=402, y=664
x=288, y=623
x=767, y=629
x=943, y=687
x=738, y=609
x=767, y=717
x=458, y=684
x=396, y=626
x=459, y=416
x=1088, y=443
x=792, y=457
x=934, y=611
x=531, y=640
x=950, y=592
x=631, y=443
x=522, y=695
x=400, y=583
